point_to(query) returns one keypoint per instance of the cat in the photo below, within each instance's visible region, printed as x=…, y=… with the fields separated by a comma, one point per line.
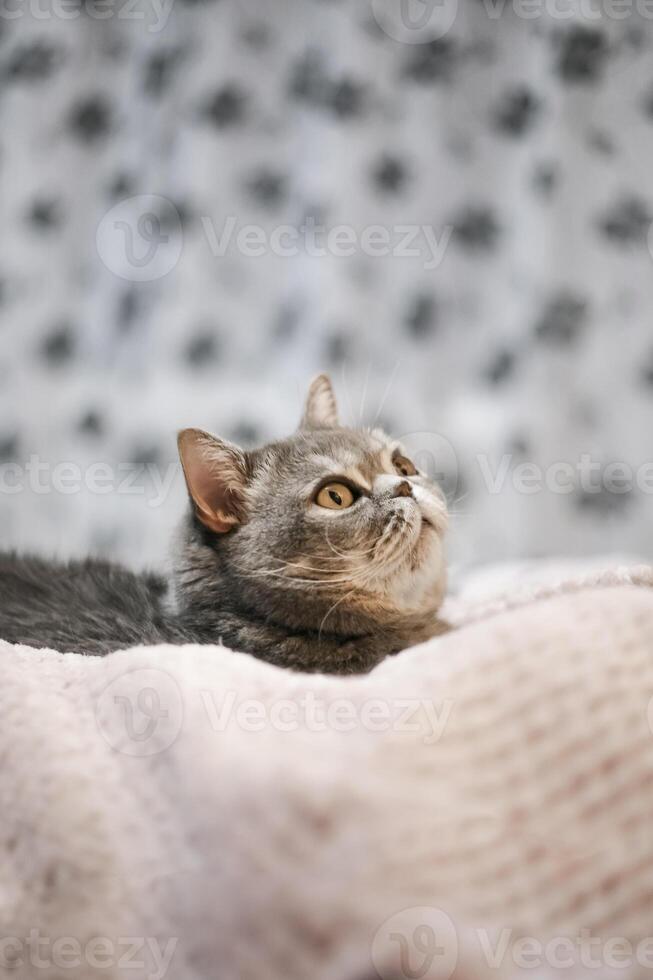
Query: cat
x=321, y=552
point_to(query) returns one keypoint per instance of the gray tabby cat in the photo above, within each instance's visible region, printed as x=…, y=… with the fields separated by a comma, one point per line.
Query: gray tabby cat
x=321, y=552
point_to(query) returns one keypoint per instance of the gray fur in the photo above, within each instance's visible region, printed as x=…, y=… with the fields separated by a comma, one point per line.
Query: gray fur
x=281, y=578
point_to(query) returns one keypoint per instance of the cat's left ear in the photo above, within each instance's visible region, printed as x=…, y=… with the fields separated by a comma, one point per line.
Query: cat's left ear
x=216, y=477
x=320, y=408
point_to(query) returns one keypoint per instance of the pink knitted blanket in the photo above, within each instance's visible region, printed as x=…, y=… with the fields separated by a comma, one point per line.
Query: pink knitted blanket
x=478, y=806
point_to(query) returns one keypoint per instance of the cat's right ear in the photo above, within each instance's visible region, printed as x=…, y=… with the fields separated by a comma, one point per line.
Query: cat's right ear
x=216, y=477
x=320, y=409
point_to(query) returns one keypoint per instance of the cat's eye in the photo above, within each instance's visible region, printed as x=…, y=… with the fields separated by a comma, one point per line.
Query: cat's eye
x=403, y=465
x=335, y=496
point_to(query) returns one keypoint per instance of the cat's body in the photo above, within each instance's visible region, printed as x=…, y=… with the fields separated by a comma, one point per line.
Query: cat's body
x=321, y=552
x=86, y=606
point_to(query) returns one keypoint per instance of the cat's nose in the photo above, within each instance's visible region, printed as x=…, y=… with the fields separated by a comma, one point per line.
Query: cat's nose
x=403, y=489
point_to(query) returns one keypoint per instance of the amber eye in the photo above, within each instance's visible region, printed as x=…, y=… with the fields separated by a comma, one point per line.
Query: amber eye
x=336, y=496
x=403, y=465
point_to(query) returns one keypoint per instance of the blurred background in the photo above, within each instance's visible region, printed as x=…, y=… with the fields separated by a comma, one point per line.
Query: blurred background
x=445, y=205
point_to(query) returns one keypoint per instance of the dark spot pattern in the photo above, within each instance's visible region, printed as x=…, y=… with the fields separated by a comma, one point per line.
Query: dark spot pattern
x=421, y=318
x=389, y=174
x=122, y=185
x=33, y=62
x=267, y=187
x=9, y=447
x=286, y=322
x=519, y=447
x=226, y=107
x=601, y=141
x=44, y=214
x=159, y=71
x=256, y=36
x=127, y=310
x=562, y=319
x=627, y=222
x=540, y=309
x=59, y=345
x=202, y=350
x=310, y=82
x=476, y=229
x=501, y=367
x=92, y=423
x=517, y=112
x=545, y=177
x=582, y=55
x=337, y=348
x=308, y=78
x=646, y=372
x=346, y=98
x=430, y=62
x=90, y=119
x=146, y=455
x=605, y=501
x=246, y=434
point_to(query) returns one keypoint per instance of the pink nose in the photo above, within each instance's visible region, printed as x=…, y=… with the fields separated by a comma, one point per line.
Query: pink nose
x=403, y=489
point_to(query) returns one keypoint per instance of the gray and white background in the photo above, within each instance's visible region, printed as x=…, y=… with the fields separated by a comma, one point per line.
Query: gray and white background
x=512, y=141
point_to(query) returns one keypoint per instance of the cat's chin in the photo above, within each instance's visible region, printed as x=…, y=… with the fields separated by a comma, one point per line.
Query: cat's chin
x=419, y=582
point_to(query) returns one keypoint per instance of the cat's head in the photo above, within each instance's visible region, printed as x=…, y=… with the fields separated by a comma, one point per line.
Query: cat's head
x=331, y=518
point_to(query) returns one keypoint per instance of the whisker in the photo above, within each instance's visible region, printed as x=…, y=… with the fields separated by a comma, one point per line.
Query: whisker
x=386, y=393
x=345, y=386
x=463, y=496
x=331, y=610
x=364, y=396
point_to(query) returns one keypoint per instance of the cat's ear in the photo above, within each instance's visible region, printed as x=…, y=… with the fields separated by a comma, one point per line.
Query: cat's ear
x=320, y=409
x=216, y=477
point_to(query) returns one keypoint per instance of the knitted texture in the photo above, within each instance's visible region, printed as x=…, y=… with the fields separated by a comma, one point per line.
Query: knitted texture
x=481, y=799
